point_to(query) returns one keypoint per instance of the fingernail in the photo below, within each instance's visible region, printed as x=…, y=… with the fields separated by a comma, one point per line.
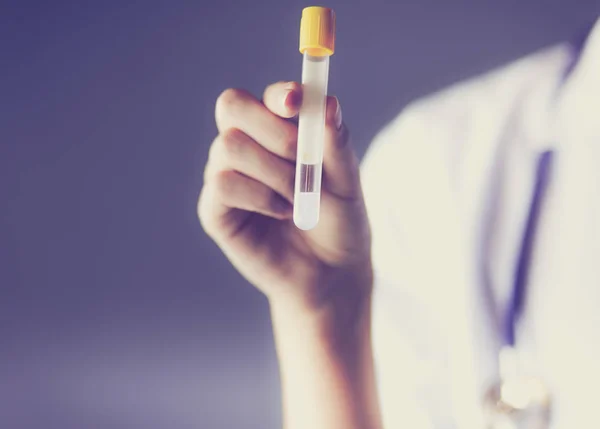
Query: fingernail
x=292, y=98
x=338, y=114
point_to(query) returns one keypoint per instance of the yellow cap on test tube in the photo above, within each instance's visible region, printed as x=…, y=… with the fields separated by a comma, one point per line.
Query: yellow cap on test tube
x=317, y=31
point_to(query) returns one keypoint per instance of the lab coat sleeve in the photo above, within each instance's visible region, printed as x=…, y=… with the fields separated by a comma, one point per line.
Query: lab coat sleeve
x=407, y=346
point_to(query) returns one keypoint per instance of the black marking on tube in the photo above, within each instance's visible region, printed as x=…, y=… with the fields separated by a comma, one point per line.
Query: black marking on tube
x=307, y=178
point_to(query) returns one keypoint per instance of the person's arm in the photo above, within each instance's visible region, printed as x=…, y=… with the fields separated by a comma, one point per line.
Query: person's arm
x=318, y=282
x=326, y=366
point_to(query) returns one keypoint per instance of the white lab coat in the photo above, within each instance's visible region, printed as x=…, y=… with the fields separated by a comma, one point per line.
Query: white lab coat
x=448, y=187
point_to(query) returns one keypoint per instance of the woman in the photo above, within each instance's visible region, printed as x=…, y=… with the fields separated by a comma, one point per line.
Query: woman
x=478, y=197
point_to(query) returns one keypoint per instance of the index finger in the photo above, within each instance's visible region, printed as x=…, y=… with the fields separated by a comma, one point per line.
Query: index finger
x=238, y=109
x=283, y=98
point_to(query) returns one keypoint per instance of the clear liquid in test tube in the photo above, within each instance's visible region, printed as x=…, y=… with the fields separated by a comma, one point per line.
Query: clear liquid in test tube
x=316, y=44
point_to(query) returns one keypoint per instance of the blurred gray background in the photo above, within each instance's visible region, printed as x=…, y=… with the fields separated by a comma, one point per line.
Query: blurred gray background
x=116, y=311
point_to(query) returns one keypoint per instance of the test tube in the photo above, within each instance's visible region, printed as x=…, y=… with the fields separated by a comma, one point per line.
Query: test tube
x=317, y=37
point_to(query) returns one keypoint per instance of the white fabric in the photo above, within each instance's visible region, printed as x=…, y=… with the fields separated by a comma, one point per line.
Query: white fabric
x=448, y=186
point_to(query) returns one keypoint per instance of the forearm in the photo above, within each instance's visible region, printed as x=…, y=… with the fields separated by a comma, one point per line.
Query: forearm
x=326, y=367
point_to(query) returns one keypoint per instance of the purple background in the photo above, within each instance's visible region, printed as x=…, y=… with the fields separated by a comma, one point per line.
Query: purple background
x=116, y=311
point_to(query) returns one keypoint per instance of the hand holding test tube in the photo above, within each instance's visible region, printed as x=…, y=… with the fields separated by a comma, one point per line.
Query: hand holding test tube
x=317, y=40
x=250, y=184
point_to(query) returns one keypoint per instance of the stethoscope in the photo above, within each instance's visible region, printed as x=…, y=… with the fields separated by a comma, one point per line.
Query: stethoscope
x=518, y=400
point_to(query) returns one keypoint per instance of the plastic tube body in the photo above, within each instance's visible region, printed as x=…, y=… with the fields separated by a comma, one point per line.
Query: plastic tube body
x=311, y=132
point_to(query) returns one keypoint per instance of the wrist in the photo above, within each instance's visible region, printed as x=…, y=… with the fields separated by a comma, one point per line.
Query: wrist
x=342, y=319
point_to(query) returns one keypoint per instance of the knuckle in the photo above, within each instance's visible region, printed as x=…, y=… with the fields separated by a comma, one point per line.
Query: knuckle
x=233, y=142
x=228, y=100
x=212, y=150
x=212, y=160
x=213, y=194
x=209, y=172
x=202, y=209
x=224, y=183
x=270, y=88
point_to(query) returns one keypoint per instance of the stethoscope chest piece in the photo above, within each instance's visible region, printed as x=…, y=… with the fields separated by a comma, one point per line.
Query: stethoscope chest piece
x=519, y=402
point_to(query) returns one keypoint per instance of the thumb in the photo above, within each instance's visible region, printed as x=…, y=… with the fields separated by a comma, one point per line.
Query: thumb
x=340, y=163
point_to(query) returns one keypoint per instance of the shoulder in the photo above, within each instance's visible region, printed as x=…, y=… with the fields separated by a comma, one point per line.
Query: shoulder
x=413, y=164
x=442, y=116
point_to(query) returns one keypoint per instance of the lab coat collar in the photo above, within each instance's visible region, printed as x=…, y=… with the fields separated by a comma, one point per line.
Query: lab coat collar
x=578, y=103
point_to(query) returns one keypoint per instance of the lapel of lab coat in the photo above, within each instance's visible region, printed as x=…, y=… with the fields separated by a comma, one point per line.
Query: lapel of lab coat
x=473, y=335
x=496, y=135
x=567, y=274
x=570, y=252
